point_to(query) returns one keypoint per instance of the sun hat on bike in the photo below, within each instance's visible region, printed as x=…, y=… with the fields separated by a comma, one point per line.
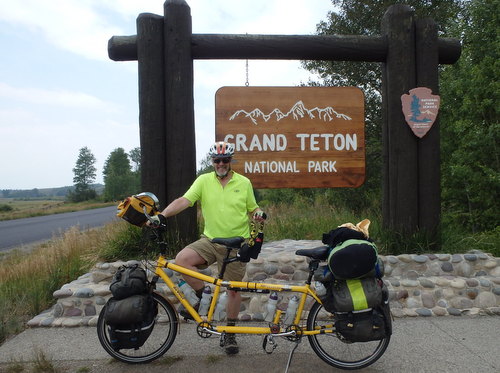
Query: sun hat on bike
x=221, y=149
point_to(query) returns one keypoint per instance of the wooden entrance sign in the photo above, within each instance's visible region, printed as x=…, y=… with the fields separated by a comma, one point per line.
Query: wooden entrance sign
x=294, y=137
x=409, y=50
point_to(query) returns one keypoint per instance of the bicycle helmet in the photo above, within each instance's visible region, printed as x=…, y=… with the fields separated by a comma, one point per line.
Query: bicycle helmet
x=221, y=149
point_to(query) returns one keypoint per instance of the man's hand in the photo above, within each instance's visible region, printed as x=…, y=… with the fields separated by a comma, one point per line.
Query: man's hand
x=259, y=216
x=158, y=221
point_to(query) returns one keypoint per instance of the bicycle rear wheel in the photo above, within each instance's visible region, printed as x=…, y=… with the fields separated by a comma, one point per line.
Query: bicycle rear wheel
x=160, y=340
x=337, y=352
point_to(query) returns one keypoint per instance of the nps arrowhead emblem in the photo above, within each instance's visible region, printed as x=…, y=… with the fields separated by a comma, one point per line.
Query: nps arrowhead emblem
x=420, y=108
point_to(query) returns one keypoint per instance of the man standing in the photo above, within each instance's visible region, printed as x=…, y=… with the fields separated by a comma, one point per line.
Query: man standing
x=227, y=200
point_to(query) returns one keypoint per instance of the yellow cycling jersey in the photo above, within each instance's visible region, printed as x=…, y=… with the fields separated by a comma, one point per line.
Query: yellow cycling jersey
x=225, y=209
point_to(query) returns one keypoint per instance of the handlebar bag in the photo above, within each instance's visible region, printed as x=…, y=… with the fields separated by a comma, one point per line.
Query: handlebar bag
x=131, y=209
x=128, y=281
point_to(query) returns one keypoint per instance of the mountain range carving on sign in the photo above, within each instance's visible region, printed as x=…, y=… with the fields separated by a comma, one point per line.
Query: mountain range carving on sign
x=298, y=111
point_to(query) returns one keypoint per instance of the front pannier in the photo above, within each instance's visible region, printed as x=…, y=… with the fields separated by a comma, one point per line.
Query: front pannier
x=131, y=310
x=130, y=320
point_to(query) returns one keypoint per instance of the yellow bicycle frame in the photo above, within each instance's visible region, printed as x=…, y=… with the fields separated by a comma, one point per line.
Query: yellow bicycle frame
x=305, y=290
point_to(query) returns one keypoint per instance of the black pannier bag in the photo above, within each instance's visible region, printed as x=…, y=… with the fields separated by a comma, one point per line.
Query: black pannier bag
x=130, y=320
x=352, y=254
x=353, y=295
x=353, y=259
x=128, y=281
x=361, y=308
x=363, y=326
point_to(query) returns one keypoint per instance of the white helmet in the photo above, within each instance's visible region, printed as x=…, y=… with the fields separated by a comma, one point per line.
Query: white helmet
x=221, y=149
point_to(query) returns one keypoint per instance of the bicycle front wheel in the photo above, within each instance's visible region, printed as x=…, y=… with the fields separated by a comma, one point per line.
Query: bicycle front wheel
x=160, y=340
x=335, y=350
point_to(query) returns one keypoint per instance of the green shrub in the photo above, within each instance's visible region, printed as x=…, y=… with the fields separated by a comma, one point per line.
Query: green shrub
x=5, y=208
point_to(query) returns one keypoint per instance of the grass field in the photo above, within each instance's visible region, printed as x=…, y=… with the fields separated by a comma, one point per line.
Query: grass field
x=13, y=208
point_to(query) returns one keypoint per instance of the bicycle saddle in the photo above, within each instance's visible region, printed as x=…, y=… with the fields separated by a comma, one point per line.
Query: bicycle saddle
x=319, y=253
x=230, y=243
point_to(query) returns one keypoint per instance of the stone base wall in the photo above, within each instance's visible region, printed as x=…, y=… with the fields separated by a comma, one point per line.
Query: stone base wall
x=419, y=285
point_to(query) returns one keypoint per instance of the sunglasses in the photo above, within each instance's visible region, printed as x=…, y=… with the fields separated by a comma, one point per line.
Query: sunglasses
x=223, y=160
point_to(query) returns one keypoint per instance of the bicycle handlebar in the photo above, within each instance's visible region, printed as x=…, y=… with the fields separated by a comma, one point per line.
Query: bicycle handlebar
x=155, y=220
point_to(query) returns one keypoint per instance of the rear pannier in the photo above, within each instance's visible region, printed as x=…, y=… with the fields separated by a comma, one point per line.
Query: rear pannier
x=355, y=292
x=361, y=308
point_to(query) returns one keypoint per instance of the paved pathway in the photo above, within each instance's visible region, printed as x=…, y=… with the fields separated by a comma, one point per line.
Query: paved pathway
x=433, y=344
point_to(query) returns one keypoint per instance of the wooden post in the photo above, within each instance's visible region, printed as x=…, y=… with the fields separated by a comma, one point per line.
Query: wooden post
x=180, y=155
x=400, y=199
x=429, y=176
x=151, y=104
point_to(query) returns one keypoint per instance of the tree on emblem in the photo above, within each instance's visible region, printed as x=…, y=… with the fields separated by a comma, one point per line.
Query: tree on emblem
x=415, y=111
x=415, y=108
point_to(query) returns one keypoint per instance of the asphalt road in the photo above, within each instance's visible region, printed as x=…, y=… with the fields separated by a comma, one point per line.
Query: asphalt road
x=19, y=232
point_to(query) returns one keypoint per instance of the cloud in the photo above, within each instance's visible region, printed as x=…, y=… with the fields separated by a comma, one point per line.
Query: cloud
x=58, y=97
x=83, y=27
x=68, y=24
x=56, y=92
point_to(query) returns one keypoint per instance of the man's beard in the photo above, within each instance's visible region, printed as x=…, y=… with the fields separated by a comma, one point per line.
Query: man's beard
x=221, y=174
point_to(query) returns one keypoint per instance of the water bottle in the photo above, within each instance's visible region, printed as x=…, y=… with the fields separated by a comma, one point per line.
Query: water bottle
x=220, y=310
x=189, y=293
x=271, y=307
x=205, y=301
x=320, y=289
x=291, y=310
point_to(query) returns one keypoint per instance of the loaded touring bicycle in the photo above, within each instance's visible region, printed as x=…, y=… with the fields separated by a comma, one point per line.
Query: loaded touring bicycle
x=346, y=320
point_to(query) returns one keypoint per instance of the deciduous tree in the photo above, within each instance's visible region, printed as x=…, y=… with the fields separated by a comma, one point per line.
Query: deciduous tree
x=470, y=125
x=118, y=176
x=85, y=174
x=363, y=17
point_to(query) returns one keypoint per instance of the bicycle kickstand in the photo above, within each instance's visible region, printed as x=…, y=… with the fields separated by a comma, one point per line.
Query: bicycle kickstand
x=291, y=354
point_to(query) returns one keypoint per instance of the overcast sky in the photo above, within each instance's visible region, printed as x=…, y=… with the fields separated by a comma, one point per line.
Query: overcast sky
x=59, y=91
